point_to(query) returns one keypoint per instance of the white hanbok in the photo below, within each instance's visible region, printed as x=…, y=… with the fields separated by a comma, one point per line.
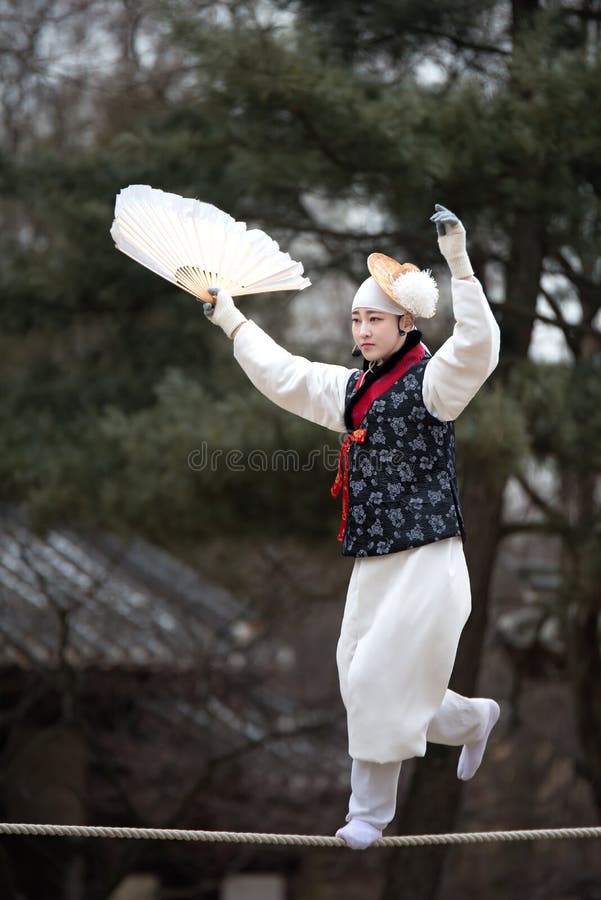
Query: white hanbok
x=404, y=611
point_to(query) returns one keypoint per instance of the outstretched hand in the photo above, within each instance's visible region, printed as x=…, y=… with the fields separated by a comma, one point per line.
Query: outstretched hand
x=451, y=240
x=223, y=312
x=443, y=217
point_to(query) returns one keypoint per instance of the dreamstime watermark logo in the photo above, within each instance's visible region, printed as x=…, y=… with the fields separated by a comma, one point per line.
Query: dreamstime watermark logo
x=205, y=458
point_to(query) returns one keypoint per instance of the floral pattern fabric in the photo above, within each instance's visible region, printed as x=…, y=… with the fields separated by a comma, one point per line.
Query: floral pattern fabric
x=402, y=482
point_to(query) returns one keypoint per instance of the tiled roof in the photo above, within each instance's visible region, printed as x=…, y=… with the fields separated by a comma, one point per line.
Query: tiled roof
x=96, y=602
x=100, y=601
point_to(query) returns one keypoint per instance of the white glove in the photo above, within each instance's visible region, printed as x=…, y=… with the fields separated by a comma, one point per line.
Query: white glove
x=224, y=313
x=451, y=240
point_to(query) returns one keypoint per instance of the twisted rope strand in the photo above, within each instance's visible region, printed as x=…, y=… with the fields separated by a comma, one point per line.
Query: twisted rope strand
x=241, y=837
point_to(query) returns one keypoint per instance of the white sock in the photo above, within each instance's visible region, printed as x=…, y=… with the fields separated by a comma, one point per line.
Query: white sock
x=358, y=834
x=471, y=755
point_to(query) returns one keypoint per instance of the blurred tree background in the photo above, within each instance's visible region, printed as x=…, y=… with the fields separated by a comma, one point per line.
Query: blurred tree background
x=335, y=126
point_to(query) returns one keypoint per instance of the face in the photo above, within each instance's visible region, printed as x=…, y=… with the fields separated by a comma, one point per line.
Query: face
x=377, y=333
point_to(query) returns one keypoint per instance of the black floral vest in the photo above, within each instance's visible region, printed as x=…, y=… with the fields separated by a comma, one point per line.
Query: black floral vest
x=402, y=482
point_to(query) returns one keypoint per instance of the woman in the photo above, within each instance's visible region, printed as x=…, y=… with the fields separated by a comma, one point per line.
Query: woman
x=409, y=594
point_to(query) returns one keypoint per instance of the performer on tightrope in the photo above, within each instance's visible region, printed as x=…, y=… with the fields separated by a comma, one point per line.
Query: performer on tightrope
x=409, y=593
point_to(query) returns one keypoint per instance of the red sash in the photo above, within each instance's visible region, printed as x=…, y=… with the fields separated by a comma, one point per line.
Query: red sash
x=359, y=436
x=381, y=385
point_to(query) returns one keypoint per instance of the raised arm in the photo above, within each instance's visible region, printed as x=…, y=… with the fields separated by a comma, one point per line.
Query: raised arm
x=461, y=366
x=315, y=391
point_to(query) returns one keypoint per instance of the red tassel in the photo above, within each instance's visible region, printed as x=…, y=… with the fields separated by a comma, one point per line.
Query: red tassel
x=341, y=481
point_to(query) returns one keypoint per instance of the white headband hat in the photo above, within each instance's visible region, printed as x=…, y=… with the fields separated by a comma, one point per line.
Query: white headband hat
x=371, y=296
x=397, y=288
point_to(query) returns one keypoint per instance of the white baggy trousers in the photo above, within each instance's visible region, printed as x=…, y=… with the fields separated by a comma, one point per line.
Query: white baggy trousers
x=402, y=622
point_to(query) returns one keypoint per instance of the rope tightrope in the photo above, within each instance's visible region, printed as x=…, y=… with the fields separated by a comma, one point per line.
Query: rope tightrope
x=308, y=840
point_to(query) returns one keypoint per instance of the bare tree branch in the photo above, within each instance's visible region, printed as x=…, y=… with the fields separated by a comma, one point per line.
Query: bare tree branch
x=554, y=516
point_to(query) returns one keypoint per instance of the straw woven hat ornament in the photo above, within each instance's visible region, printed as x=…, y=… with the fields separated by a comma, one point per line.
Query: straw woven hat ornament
x=412, y=289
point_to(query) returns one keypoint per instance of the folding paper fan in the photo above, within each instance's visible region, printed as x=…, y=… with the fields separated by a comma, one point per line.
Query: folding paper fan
x=197, y=246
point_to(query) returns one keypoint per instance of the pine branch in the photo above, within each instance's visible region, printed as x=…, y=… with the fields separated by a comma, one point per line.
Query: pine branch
x=518, y=527
x=587, y=15
x=577, y=278
x=555, y=517
x=569, y=330
x=318, y=140
x=460, y=43
x=323, y=231
x=515, y=309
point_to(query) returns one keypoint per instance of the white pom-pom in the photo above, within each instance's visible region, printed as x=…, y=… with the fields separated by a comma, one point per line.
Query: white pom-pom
x=417, y=292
